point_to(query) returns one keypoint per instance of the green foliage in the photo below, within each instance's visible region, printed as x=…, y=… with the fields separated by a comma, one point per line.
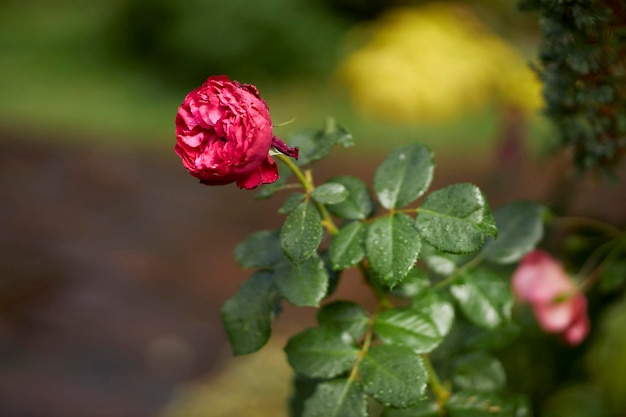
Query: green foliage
x=582, y=57
x=394, y=375
x=358, y=205
x=485, y=298
x=304, y=283
x=320, y=353
x=260, y=250
x=347, y=248
x=404, y=176
x=607, y=357
x=440, y=263
x=281, y=39
x=413, y=284
x=456, y=219
x=581, y=400
x=330, y=193
x=479, y=371
x=437, y=308
x=520, y=228
x=291, y=203
x=247, y=317
x=355, y=355
x=337, y=398
x=473, y=404
x=301, y=234
x=344, y=316
x=315, y=144
x=392, y=246
x=408, y=327
x=421, y=409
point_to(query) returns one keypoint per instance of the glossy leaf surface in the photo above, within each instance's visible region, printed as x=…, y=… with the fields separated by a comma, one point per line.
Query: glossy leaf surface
x=456, y=219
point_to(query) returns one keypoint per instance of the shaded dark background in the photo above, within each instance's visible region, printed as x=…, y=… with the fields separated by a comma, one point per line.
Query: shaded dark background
x=114, y=262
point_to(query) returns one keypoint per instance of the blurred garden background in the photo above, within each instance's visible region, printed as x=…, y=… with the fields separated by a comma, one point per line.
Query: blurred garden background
x=115, y=262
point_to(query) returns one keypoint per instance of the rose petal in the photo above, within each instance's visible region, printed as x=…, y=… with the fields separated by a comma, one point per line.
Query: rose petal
x=554, y=317
x=557, y=303
x=540, y=278
x=267, y=173
x=577, y=332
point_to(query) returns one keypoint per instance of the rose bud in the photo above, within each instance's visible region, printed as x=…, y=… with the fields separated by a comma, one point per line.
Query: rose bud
x=224, y=135
x=557, y=303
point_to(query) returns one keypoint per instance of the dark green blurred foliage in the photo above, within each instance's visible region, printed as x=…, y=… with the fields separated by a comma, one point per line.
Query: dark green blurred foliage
x=583, y=67
x=607, y=357
x=275, y=39
x=358, y=9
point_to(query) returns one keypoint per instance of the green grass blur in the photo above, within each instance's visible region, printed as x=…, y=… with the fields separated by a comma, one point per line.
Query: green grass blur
x=60, y=74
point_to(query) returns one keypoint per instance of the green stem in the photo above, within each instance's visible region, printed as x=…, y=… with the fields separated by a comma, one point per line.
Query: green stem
x=449, y=280
x=354, y=373
x=578, y=222
x=591, y=268
x=441, y=393
x=306, y=179
x=308, y=187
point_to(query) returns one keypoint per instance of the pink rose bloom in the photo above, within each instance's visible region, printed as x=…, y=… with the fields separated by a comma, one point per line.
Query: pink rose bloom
x=224, y=135
x=556, y=301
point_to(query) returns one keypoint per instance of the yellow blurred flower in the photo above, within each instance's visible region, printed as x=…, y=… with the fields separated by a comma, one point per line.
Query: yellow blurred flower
x=433, y=63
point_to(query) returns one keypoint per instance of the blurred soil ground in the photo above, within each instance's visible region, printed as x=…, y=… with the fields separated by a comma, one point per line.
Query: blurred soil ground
x=114, y=263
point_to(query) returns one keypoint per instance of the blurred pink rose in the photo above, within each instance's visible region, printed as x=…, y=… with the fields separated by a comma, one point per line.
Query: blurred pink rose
x=556, y=301
x=224, y=135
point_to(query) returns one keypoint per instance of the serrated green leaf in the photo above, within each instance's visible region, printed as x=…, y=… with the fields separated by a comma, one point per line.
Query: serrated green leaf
x=259, y=250
x=520, y=228
x=392, y=245
x=330, y=193
x=479, y=371
x=414, y=283
x=425, y=408
x=247, y=317
x=485, y=298
x=291, y=203
x=337, y=398
x=404, y=176
x=315, y=144
x=302, y=284
x=301, y=233
x=331, y=135
x=344, y=316
x=347, y=247
x=358, y=205
x=394, y=375
x=475, y=404
x=320, y=353
x=438, y=309
x=456, y=219
x=408, y=327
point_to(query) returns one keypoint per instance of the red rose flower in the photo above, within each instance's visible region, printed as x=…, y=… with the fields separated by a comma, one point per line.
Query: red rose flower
x=557, y=303
x=224, y=135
